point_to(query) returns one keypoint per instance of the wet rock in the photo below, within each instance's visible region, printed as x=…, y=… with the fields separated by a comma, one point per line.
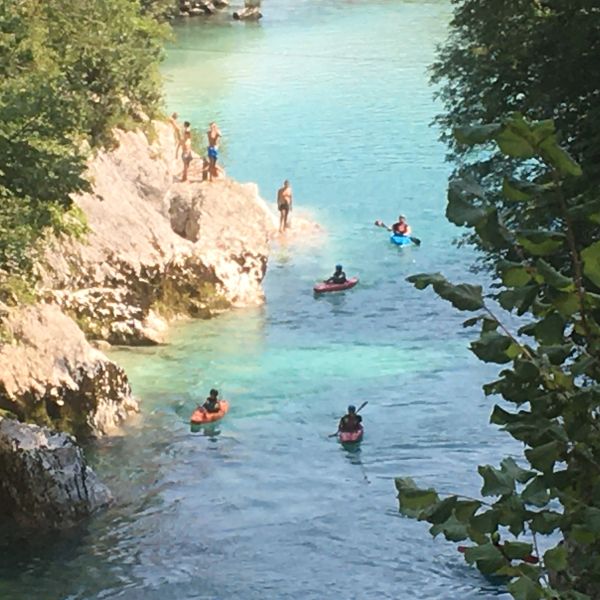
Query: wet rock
x=46, y=482
x=52, y=376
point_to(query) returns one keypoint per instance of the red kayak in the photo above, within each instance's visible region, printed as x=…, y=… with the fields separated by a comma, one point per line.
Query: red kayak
x=200, y=415
x=351, y=437
x=335, y=287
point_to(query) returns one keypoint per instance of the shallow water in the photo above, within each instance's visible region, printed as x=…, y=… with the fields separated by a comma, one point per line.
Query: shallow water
x=334, y=96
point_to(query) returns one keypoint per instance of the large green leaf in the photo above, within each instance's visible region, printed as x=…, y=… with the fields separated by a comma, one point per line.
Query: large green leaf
x=440, y=511
x=514, y=139
x=492, y=347
x=550, y=330
x=414, y=500
x=536, y=493
x=495, y=482
x=512, y=469
x=546, y=521
x=517, y=550
x=485, y=522
x=462, y=211
x=553, y=277
x=525, y=588
x=591, y=263
x=543, y=457
x=486, y=556
x=539, y=242
x=555, y=559
x=453, y=529
x=559, y=158
x=462, y=296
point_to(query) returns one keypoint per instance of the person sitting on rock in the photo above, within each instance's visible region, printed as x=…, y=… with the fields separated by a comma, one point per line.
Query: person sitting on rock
x=212, y=403
x=338, y=277
x=350, y=422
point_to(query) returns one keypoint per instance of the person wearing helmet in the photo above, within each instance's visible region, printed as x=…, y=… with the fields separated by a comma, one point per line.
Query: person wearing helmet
x=401, y=227
x=351, y=421
x=212, y=404
x=338, y=277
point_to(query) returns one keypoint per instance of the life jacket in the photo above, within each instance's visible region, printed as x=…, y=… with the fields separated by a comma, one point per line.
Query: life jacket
x=400, y=228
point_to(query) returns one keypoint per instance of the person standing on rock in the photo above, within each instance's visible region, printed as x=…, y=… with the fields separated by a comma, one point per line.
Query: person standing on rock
x=284, y=204
x=213, y=135
x=186, y=150
x=176, y=133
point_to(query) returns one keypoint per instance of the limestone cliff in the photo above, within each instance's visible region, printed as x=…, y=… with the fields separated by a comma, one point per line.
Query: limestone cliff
x=157, y=247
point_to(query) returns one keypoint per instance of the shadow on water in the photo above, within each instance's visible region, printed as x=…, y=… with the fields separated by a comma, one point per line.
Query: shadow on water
x=211, y=430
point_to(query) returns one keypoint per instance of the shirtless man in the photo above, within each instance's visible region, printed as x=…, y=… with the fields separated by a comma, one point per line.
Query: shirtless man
x=176, y=133
x=213, y=135
x=284, y=204
x=186, y=150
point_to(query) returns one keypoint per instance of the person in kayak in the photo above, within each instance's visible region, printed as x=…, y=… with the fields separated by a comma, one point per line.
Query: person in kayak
x=350, y=422
x=212, y=403
x=338, y=277
x=401, y=227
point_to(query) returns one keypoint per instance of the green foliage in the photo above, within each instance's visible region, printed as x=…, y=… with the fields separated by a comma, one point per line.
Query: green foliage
x=549, y=275
x=69, y=73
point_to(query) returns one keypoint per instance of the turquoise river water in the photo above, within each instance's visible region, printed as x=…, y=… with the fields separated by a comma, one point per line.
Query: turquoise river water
x=333, y=95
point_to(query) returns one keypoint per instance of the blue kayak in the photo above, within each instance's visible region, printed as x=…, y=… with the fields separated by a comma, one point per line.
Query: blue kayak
x=400, y=240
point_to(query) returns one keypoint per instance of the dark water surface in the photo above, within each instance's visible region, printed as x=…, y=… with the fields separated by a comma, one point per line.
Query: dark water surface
x=334, y=96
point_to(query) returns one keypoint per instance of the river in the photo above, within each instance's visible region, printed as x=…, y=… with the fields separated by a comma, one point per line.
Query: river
x=334, y=96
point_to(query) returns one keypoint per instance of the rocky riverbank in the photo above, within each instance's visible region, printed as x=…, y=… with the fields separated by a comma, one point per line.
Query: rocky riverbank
x=156, y=249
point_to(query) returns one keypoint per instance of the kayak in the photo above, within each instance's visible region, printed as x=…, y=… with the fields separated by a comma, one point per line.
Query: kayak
x=351, y=437
x=319, y=288
x=200, y=416
x=400, y=240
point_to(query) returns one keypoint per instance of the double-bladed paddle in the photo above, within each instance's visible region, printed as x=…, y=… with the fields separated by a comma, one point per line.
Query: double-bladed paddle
x=356, y=411
x=416, y=241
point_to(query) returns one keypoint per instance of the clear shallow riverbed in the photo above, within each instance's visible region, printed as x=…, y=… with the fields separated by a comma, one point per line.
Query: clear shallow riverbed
x=334, y=96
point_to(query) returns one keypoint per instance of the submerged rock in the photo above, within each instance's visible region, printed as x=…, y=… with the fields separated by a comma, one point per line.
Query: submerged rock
x=51, y=375
x=45, y=480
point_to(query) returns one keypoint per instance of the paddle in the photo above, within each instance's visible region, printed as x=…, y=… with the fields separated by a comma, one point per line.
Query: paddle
x=356, y=411
x=416, y=241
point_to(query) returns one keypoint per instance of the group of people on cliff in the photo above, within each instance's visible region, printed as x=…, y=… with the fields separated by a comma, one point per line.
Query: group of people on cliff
x=210, y=169
x=183, y=144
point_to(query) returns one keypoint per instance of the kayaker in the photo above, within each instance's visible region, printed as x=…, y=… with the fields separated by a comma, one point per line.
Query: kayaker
x=212, y=404
x=338, y=277
x=351, y=421
x=401, y=227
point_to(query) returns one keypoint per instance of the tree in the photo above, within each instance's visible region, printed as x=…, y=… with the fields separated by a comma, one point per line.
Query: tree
x=537, y=57
x=69, y=73
x=550, y=383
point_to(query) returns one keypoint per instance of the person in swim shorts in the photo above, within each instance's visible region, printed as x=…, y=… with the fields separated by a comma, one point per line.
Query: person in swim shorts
x=284, y=204
x=213, y=135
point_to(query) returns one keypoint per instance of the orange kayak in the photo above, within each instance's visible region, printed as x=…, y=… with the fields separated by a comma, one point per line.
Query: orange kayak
x=201, y=416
